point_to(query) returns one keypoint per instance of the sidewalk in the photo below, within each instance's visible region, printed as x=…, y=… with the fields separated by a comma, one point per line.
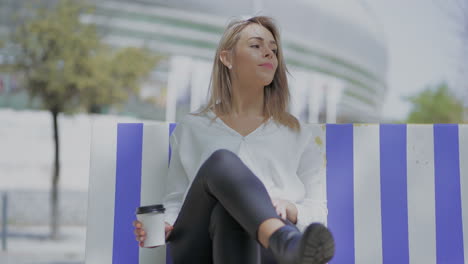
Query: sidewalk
x=30, y=245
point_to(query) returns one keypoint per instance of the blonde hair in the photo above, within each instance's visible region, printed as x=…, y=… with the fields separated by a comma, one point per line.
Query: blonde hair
x=276, y=94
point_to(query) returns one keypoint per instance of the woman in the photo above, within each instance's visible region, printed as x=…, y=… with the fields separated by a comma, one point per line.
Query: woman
x=243, y=171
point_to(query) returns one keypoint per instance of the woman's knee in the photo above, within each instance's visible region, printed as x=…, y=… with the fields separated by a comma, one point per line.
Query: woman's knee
x=222, y=160
x=223, y=156
x=221, y=221
x=223, y=170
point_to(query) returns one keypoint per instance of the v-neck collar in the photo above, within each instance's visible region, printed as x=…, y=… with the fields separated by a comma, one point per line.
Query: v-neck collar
x=234, y=132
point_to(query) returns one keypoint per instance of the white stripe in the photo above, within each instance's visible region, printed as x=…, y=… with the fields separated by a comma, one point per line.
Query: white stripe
x=421, y=194
x=153, y=171
x=367, y=212
x=101, y=193
x=463, y=146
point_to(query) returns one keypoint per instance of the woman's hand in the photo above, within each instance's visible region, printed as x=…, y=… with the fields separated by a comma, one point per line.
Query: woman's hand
x=285, y=209
x=140, y=234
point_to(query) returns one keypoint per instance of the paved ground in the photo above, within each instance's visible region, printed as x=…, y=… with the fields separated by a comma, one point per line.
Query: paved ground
x=30, y=245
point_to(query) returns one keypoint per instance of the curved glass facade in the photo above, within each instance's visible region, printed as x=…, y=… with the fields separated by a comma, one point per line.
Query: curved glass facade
x=337, y=59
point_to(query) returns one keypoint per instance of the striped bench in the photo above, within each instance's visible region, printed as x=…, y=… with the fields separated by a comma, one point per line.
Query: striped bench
x=396, y=193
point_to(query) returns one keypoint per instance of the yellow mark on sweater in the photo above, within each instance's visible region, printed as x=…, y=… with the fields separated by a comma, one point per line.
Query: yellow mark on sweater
x=318, y=141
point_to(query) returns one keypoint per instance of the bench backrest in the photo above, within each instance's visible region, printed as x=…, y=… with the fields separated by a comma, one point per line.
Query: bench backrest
x=396, y=193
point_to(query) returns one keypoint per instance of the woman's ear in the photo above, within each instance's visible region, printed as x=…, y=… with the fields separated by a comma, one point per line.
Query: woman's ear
x=225, y=57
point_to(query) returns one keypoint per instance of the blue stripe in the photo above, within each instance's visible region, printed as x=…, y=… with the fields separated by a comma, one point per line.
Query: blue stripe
x=449, y=232
x=172, y=126
x=340, y=196
x=393, y=190
x=127, y=192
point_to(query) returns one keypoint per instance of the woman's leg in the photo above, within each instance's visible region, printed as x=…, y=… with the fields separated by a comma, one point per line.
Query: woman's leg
x=266, y=255
x=222, y=178
x=231, y=244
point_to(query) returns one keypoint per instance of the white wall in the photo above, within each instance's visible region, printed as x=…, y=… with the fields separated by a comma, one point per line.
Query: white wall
x=27, y=149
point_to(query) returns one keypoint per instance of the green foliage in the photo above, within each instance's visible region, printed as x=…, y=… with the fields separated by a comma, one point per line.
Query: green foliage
x=113, y=76
x=66, y=64
x=435, y=105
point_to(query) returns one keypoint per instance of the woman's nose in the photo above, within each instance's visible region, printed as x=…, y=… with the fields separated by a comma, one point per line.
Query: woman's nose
x=268, y=53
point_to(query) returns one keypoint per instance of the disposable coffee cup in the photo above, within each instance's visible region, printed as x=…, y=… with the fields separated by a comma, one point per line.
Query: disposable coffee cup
x=152, y=218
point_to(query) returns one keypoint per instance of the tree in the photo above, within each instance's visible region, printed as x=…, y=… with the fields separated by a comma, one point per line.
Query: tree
x=457, y=12
x=435, y=105
x=65, y=63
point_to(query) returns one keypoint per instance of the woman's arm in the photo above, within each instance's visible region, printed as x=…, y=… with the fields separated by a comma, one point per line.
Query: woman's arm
x=312, y=172
x=285, y=209
x=291, y=211
x=176, y=182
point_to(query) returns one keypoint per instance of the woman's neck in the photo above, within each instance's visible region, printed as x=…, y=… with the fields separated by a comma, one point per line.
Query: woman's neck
x=247, y=100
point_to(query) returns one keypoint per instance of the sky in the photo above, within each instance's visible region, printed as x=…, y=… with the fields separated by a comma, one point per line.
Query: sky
x=423, y=49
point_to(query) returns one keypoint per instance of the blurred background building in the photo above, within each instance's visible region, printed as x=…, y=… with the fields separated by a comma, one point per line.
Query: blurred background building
x=336, y=53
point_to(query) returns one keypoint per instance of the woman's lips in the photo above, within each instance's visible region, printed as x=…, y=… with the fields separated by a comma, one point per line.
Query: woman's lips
x=268, y=65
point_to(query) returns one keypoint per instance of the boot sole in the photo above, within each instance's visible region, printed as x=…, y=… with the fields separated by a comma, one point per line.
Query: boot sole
x=318, y=245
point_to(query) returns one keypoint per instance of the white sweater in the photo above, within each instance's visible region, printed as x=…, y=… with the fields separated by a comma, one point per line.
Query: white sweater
x=290, y=164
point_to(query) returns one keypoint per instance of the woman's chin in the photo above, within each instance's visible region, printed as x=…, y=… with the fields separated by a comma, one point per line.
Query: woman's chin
x=267, y=83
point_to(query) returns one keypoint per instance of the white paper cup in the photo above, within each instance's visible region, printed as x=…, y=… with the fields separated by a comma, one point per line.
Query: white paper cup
x=152, y=218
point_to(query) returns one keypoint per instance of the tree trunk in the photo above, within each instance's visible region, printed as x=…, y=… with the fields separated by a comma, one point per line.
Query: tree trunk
x=465, y=115
x=54, y=205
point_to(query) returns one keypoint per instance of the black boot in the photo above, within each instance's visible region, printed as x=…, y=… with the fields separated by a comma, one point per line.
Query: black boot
x=314, y=246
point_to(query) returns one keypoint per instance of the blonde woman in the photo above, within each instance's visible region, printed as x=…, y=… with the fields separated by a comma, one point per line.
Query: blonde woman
x=244, y=179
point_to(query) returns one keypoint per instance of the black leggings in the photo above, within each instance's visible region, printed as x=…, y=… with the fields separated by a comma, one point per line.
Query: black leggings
x=222, y=211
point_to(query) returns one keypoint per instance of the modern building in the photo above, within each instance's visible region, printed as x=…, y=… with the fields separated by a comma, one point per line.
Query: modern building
x=335, y=51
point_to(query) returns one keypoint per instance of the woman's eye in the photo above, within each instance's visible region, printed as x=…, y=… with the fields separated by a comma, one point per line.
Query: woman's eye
x=275, y=51
x=256, y=46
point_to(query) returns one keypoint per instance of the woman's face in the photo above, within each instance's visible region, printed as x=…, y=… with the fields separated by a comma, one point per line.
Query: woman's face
x=254, y=58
